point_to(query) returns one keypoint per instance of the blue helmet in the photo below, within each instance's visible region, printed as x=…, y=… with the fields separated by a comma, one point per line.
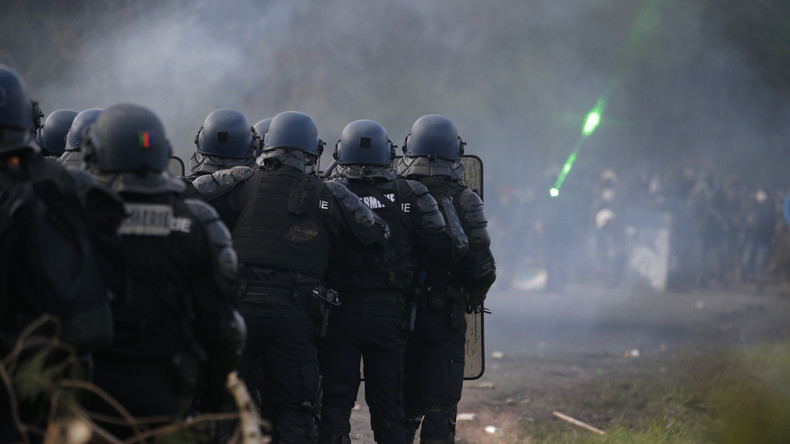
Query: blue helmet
x=78, y=126
x=127, y=138
x=53, y=133
x=18, y=113
x=293, y=130
x=226, y=132
x=434, y=136
x=364, y=142
x=262, y=127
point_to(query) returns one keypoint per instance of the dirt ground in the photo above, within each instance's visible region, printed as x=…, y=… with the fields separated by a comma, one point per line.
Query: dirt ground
x=542, y=349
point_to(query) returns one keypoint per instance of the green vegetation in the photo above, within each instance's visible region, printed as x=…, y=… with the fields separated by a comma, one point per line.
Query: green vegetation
x=733, y=397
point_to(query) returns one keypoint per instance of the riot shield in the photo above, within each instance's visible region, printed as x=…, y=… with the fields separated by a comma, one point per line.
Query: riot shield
x=176, y=166
x=474, y=347
x=475, y=353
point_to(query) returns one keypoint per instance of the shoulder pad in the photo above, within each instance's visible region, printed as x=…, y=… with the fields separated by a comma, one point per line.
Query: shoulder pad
x=219, y=182
x=338, y=189
x=206, y=185
x=232, y=176
x=431, y=219
x=363, y=221
x=219, y=239
x=417, y=187
x=424, y=201
x=350, y=201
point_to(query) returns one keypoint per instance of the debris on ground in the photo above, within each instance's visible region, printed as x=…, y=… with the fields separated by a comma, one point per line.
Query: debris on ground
x=494, y=430
x=576, y=422
x=465, y=417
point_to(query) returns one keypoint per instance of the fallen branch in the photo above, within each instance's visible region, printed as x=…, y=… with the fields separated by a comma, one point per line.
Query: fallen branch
x=11, y=398
x=89, y=386
x=248, y=416
x=576, y=422
x=10, y=359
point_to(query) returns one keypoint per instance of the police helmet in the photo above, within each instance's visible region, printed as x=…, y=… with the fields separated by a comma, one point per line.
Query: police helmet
x=262, y=127
x=78, y=126
x=364, y=142
x=434, y=136
x=226, y=132
x=293, y=130
x=53, y=133
x=18, y=113
x=127, y=138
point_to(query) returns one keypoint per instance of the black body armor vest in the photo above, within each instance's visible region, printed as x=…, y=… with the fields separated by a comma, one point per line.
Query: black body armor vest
x=283, y=229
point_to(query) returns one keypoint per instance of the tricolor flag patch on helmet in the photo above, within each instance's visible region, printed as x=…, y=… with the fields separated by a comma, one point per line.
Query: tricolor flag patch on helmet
x=144, y=140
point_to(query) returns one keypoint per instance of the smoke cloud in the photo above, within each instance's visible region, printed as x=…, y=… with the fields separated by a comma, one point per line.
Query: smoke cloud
x=517, y=77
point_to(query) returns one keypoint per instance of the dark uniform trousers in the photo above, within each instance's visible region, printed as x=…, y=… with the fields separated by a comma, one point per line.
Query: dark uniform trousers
x=368, y=327
x=281, y=344
x=435, y=361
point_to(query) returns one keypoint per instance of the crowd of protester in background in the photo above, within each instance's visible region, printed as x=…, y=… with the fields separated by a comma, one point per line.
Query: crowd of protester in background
x=723, y=232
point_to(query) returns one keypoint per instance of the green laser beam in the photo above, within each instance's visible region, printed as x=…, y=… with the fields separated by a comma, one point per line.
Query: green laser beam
x=593, y=118
x=590, y=123
x=555, y=190
x=644, y=24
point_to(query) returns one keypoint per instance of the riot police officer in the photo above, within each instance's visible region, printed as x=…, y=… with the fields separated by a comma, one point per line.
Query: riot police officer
x=52, y=136
x=225, y=140
x=72, y=156
x=177, y=331
x=435, y=356
x=375, y=285
x=288, y=219
x=226, y=145
x=57, y=232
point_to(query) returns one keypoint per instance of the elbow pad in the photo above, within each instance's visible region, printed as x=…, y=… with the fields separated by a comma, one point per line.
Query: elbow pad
x=474, y=219
x=460, y=241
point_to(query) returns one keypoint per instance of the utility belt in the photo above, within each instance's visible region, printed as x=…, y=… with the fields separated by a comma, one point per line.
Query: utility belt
x=263, y=297
x=273, y=293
